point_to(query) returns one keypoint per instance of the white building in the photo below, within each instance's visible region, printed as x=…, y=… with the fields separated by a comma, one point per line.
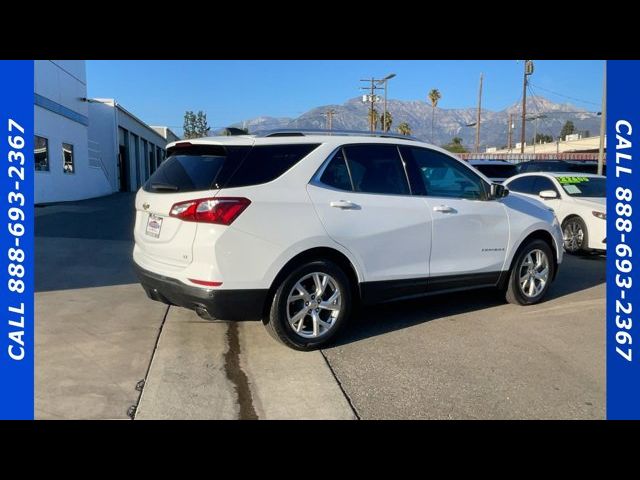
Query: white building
x=127, y=149
x=87, y=148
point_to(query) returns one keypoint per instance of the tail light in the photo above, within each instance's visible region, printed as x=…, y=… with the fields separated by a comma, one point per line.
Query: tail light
x=220, y=210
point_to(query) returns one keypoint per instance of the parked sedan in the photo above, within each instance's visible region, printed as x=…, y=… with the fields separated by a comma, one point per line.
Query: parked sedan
x=496, y=170
x=579, y=201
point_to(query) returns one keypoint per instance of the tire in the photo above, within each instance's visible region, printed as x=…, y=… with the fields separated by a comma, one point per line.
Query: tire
x=293, y=313
x=576, y=236
x=523, y=294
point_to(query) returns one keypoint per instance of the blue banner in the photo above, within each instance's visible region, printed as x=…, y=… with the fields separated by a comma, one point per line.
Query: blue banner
x=16, y=240
x=623, y=247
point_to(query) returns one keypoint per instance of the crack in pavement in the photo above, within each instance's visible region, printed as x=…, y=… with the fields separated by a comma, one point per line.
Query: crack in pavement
x=340, y=386
x=236, y=375
x=133, y=409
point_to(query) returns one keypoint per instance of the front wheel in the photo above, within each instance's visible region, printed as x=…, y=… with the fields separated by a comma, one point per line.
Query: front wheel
x=576, y=237
x=310, y=305
x=531, y=274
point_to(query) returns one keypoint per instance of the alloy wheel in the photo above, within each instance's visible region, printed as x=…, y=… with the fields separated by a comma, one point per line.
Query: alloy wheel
x=313, y=305
x=533, y=273
x=573, y=236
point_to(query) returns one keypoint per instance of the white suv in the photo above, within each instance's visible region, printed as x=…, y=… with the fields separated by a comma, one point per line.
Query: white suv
x=295, y=228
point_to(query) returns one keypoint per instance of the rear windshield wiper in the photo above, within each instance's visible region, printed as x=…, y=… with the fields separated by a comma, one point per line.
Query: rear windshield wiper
x=164, y=186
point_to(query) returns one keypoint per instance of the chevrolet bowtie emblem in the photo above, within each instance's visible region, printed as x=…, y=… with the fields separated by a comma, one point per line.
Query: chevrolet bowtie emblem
x=146, y=206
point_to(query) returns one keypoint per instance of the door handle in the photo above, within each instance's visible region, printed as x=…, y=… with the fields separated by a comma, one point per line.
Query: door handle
x=344, y=205
x=444, y=209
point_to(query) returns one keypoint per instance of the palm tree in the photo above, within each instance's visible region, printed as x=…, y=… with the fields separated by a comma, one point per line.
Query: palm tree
x=404, y=129
x=434, y=96
x=375, y=119
x=385, y=121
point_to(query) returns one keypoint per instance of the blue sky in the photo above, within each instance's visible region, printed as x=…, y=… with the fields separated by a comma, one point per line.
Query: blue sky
x=159, y=92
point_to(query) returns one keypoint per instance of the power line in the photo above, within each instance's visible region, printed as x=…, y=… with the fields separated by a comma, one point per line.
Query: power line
x=565, y=96
x=540, y=112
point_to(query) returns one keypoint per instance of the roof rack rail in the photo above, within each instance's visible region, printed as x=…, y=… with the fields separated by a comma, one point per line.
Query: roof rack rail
x=286, y=132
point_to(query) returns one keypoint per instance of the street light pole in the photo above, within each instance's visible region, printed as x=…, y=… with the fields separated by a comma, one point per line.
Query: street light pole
x=528, y=70
x=524, y=107
x=603, y=121
x=478, y=116
x=384, y=115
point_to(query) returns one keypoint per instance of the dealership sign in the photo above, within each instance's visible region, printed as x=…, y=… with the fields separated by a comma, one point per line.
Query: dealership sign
x=16, y=240
x=623, y=248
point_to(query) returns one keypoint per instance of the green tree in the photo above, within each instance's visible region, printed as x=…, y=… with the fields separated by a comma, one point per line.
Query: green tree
x=567, y=129
x=404, y=129
x=202, y=127
x=455, y=146
x=189, y=125
x=385, y=121
x=434, y=96
x=543, y=138
x=195, y=125
x=373, y=113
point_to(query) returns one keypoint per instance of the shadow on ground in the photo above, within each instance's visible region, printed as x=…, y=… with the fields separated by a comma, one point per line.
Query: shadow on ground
x=85, y=244
x=577, y=273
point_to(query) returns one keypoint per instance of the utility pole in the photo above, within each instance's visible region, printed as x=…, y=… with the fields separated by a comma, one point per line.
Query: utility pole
x=371, y=98
x=528, y=70
x=330, y=114
x=478, y=116
x=509, y=142
x=603, y=121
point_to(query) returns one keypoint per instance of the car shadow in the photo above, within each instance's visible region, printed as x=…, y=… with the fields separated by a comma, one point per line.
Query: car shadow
x=83, y=244
x=576, y=273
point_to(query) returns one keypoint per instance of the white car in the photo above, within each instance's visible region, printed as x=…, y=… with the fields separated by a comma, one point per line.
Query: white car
x=579, y=201
x=296, y=227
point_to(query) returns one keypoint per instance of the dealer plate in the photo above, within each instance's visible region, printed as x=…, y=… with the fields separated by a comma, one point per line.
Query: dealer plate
x=154, y=224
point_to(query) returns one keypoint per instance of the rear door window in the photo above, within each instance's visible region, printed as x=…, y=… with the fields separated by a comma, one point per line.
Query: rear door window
x=376, y=169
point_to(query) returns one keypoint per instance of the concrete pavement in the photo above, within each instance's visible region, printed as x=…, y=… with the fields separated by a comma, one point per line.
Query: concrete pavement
x=95, y=330
x=226, y=370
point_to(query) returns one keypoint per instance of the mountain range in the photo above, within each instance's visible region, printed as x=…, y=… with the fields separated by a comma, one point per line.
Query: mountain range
x=449, y=123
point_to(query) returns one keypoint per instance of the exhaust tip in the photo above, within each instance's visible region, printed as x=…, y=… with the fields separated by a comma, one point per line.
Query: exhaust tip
x=203, y=313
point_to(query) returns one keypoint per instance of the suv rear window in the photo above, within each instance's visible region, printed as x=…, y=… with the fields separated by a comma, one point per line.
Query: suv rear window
x=205, y=167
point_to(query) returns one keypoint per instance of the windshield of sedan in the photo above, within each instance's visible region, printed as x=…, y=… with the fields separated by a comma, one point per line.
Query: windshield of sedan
x=583, y=186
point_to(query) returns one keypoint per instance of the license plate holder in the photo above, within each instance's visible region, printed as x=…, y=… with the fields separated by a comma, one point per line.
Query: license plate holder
x=154, y=225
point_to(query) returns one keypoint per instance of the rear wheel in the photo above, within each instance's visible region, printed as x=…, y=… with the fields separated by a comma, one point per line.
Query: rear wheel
x=576, y=237
x=310, y=305
x=531, y=274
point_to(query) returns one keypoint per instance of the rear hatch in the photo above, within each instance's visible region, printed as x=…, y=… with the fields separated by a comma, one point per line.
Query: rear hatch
x=189, y=172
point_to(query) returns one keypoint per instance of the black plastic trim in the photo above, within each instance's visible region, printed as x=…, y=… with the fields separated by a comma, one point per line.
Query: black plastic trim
x=220, y=304
x=391, y=290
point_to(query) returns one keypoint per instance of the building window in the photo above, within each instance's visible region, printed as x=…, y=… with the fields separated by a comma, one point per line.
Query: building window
x=41, y=154
x=67, y=158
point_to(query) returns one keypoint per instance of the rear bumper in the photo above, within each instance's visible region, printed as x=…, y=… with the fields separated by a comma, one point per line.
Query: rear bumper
x=220, y=304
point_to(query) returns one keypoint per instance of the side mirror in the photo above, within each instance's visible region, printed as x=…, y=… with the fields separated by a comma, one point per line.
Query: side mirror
x=498, y=191
x=548, y=194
